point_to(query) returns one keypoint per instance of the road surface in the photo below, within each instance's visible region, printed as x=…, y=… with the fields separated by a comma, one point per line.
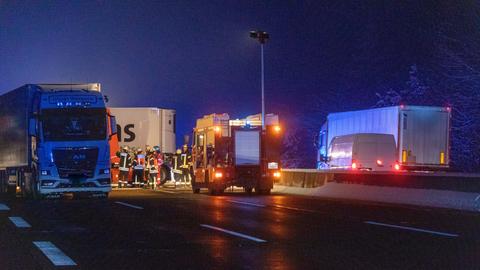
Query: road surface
x=175, y=229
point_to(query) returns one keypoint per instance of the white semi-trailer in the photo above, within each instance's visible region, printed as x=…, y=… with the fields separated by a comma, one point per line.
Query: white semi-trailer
x=421, y=134
x=140, y=127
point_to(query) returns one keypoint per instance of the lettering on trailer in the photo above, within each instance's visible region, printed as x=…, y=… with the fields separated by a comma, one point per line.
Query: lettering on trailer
x=128, y=131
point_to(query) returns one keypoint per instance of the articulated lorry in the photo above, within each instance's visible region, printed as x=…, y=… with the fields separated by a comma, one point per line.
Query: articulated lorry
x=142, y=127
x=237, y=153
x=55, y=140
x=390, y=138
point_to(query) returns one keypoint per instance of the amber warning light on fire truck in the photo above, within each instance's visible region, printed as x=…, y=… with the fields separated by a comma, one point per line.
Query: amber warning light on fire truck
x=236, y=153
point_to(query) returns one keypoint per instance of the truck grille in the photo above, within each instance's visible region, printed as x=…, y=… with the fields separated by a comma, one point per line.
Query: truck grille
x=75, y=162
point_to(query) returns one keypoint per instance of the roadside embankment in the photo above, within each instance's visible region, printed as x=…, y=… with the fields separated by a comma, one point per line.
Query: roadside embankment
x=445, y=190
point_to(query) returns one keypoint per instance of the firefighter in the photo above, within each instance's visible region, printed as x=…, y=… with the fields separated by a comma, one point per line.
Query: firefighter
x=176, y=166
x=186, y=163
x=152, y=167
x=160, y=160
x=139, y=168
x=124, y=167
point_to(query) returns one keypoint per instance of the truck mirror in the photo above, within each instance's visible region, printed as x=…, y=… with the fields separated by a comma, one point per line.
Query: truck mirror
x=113, y=125
x=32, y=127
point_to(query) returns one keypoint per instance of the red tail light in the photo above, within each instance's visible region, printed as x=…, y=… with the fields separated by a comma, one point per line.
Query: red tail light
x=277, y=174
x=379, y=162
x=397, y=167
x=354, y=165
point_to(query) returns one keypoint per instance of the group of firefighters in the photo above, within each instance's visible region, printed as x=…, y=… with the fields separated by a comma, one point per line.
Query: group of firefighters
x=151, y=168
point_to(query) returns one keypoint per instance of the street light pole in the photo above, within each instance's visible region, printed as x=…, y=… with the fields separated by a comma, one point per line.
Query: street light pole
x=263, y=88
x=262, y=37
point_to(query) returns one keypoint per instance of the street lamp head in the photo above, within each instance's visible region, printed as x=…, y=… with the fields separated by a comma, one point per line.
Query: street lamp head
x=261, y=36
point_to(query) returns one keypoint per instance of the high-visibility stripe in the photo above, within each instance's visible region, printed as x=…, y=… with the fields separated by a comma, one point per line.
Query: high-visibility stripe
x=442, y=158
x=404, y=156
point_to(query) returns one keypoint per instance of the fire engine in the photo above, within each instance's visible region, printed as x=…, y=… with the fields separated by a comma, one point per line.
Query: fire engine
x=236, y=153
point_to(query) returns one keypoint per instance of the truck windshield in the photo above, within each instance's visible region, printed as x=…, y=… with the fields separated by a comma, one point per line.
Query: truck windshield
x=74, y=124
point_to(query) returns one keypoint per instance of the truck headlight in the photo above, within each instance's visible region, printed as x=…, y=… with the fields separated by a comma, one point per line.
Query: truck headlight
x=48, y=183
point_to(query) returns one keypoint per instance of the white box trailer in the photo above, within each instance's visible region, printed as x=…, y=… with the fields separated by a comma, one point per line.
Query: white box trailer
x=141, y=126
x=421, y=133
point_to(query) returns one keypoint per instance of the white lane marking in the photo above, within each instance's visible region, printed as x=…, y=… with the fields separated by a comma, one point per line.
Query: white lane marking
x=166, y=191
x=54, y=254
x=4, y=207
x=19, y=222
x=412, y=229
x=247, y=203
x=234, y=233
x=293, y=208
x=478, y=197
x=130, y=205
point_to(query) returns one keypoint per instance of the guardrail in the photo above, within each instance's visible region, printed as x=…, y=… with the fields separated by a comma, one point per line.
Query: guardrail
x=309, y=178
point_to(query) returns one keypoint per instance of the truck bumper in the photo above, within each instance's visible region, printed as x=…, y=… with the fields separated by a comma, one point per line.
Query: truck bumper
x=46, y=191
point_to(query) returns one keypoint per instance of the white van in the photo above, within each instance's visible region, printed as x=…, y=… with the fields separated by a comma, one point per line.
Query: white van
x=364, y=151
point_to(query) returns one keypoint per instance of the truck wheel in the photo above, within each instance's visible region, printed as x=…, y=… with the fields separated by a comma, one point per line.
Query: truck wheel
x=212, y=191
x=163, y=176
x=262, y=191
x=11, y=190
x=196, y=190
x=248, y=190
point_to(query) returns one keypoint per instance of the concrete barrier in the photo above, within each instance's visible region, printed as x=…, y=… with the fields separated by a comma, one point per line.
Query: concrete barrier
x=309, y=178
x=305, y=178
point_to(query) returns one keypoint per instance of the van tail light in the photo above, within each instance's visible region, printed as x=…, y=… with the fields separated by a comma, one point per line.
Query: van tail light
x=354, y=165
x=218, y=174
x=277, y=174
x=397, y=167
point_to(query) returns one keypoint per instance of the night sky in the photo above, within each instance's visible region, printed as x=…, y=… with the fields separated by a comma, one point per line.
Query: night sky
x=196, y=56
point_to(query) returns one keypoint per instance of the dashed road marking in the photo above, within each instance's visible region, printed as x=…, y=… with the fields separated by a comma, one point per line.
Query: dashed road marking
x=54, y=254
x=294, y=208
x=247, y=203
x=252, y=238
x=19, y=222
x=4, y=207
x=166, y=191
x=412, y=229
x=130, y=205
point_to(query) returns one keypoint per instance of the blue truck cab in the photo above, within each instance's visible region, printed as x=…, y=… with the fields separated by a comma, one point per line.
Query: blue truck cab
x=59, y=140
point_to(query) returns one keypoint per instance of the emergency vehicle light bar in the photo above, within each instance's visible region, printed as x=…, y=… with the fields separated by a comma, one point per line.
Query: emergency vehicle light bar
x=245, y=122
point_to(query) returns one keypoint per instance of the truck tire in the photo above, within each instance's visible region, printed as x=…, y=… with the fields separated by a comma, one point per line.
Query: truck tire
x=163, y=175
x=262, y=191
x=11, y=190
x=196, y=190
x=248, y=190
x=212, y=191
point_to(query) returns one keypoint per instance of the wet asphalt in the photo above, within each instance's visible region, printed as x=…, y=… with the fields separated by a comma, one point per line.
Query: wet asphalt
x=175, y=229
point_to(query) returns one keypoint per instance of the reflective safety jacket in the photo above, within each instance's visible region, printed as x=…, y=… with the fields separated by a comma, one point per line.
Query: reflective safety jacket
x=139, y=162
x=152, y=165
x=186, y=160
x=125, y=162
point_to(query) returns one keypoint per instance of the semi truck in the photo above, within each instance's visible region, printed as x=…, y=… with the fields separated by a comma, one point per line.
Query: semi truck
x=139, y=127
x=55, y=140
x=421, y=136
x=142, y=127
x=236, y=153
